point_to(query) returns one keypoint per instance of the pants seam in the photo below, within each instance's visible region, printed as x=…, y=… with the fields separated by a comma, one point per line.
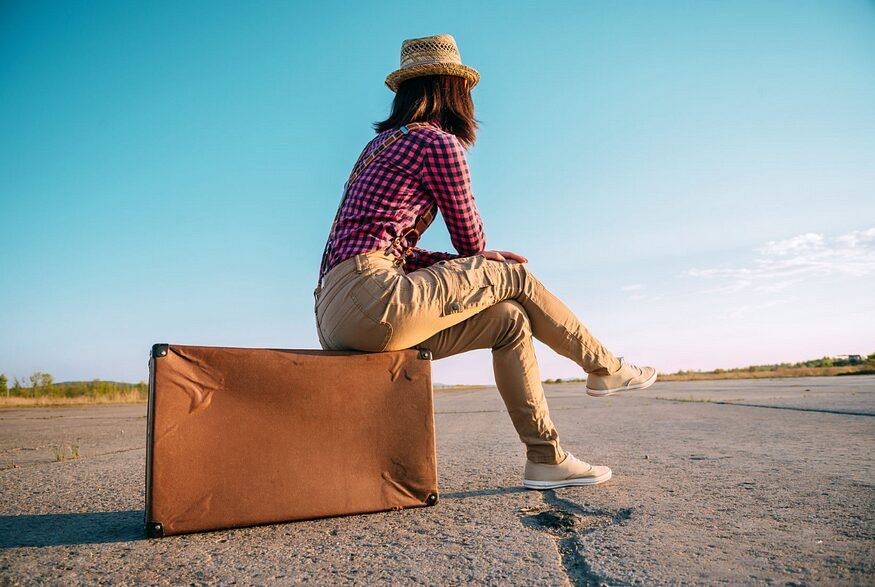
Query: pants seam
x=388, y=326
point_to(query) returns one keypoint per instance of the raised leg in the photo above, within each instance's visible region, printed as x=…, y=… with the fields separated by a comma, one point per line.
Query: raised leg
x=506, y=329
x=446, y=293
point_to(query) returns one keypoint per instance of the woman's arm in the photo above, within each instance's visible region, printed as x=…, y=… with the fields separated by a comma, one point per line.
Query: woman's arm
x=419, y=258
x=445, y=175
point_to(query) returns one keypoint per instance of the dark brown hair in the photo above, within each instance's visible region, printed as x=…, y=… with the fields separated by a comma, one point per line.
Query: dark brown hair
x=444, y=98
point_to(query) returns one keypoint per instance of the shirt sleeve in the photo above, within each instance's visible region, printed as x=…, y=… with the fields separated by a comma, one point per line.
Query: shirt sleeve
x=419, y=258
x=445, y=175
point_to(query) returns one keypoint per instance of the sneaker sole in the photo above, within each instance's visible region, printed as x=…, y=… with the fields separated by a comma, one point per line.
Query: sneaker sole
x=542, y=485
x=604, y=392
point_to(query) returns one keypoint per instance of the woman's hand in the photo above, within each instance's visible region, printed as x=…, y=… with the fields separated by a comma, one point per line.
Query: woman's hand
x=504, y=256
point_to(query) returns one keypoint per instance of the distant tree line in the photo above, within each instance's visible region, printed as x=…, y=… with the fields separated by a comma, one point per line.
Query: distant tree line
x=825, y=362
x=43, y=385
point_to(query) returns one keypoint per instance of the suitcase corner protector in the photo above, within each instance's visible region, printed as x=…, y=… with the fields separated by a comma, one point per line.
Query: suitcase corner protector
x=154, y=530
x=159, y=350
x=425, y=354
x=432, y=499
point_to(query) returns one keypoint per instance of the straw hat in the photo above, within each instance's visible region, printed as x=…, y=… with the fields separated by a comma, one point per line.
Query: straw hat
x=437, y=55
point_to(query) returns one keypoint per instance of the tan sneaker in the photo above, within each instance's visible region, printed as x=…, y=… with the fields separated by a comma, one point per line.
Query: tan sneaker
x=628, y=377
x=571, y=471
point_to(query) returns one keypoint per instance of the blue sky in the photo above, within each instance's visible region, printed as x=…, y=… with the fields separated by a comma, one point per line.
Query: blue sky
x=695, y=179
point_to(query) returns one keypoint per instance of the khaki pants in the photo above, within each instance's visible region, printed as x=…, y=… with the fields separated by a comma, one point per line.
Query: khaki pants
x=368, y=303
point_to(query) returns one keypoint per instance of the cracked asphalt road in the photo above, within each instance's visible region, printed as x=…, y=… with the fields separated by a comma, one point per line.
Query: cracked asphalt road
x=740, y=482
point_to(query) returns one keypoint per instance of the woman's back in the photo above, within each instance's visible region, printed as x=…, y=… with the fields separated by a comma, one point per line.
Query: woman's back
x=425, y=167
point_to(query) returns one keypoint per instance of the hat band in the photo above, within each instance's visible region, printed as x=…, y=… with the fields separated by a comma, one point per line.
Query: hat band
x=429, y=62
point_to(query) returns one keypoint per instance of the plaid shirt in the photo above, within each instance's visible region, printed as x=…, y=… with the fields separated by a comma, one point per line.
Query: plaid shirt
x=427, y=165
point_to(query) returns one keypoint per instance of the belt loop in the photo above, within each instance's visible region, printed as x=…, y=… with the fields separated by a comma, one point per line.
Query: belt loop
x=359, y=266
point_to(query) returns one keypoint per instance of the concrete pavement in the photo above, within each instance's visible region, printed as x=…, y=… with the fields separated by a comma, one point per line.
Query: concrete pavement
x=740, y=482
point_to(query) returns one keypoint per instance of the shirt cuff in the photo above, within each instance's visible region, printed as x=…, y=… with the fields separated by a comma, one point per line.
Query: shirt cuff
x=420, y=258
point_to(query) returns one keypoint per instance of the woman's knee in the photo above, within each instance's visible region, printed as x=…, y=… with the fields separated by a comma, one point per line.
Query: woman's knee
x=514, y=319
x=511, y=278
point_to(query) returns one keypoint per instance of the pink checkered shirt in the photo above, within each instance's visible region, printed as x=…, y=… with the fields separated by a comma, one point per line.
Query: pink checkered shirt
x=426, y=165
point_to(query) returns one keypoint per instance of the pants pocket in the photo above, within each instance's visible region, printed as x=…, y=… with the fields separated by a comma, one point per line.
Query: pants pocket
x=352, y=318
x=358, y=331
x=467, y=284
x=329, y=320
x=466, y=299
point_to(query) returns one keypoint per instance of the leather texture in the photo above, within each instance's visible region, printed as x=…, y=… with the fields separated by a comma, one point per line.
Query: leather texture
x=240, y=437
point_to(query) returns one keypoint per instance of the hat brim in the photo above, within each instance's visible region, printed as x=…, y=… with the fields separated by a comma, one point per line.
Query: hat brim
x=394, y=79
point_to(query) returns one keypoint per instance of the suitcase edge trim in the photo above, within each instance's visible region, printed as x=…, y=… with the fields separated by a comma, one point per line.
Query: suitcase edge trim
x=152, y=529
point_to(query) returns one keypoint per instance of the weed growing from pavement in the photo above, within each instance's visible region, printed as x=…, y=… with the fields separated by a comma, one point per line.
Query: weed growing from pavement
x=61, y=451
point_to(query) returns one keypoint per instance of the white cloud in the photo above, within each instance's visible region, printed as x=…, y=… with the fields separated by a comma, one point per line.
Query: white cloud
x=777, y=286
x=635, y=292
x=798, y=244
x=857, y=238
x=783, y=263
x=732, y=286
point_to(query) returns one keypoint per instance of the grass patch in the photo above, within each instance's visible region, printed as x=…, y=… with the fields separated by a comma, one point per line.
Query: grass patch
x=767, y=374
x=759, y=372
x=124, y=397
x=458, y=387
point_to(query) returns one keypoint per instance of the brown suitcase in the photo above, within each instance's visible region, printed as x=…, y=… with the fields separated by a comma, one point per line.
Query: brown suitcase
x=239, y=437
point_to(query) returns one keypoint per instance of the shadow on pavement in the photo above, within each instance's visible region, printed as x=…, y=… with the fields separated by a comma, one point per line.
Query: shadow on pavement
x=483, y=492
x=70, y=529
